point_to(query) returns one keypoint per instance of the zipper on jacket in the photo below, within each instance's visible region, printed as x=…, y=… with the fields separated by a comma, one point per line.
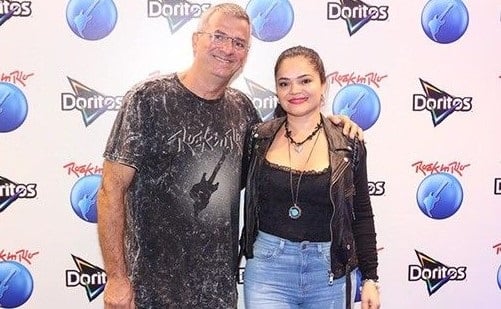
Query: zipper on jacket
x=331, y=275
x=332, y=199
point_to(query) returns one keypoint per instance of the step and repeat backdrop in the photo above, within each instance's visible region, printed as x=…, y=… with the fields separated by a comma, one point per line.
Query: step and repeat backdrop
x=422, y=78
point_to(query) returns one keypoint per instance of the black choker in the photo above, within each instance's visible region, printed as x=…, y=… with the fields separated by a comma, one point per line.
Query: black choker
x=298, y=146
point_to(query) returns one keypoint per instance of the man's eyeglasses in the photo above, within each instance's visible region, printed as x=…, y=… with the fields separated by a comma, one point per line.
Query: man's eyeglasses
x=220, y=39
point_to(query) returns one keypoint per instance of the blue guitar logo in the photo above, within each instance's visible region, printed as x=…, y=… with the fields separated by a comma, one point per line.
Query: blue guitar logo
x=438, y=21
x=2, y=101
x=82, y=19
x=351, y=108
x=86, y=203
x=261, y=19
x=3, y=285
x=433, y=197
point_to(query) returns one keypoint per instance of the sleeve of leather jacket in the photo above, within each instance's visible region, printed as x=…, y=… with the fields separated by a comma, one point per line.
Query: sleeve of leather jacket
x=247, y=154
x=363, y=223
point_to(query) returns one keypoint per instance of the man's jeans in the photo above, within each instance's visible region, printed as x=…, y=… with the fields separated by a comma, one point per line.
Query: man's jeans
x=285, y=274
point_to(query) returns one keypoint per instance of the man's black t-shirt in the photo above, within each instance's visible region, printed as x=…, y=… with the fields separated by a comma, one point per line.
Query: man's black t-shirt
x=182, y=209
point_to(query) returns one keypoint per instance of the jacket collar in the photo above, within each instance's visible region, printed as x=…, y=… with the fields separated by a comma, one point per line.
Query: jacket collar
x=335, y=137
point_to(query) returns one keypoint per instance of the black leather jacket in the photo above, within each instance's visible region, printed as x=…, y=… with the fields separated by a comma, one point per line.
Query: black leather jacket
x=353, y=237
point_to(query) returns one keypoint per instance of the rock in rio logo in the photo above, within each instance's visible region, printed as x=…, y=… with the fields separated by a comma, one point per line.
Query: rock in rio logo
x=91, y=19
x=13, y=107
x=444, y=21
x=16, y=284
x=359, y=102
x=271, y=20
x=83, y=197
x=439, y=195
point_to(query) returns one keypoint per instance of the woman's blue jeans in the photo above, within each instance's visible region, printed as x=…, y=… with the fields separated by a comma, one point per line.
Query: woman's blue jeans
x=285, y=274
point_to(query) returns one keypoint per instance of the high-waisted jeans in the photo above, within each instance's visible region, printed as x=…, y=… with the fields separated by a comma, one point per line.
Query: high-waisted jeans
x=285, y=274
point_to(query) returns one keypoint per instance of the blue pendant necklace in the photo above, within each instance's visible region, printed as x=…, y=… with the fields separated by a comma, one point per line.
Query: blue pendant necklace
x=295, y=211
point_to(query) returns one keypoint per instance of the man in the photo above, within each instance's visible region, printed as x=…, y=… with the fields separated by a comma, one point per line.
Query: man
x=168, y=206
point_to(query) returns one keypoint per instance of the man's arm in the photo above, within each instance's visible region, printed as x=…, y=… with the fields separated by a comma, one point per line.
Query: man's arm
x=116, y=180
x=350, y=128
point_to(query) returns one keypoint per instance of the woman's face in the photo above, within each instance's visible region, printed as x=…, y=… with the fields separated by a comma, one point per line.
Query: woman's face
x=298, y=87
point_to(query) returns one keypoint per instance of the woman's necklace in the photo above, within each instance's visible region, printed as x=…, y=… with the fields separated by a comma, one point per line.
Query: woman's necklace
x=295, y=211
x=298, y=146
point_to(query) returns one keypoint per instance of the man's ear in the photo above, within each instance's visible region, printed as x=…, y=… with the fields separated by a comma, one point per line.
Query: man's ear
x=194, y=42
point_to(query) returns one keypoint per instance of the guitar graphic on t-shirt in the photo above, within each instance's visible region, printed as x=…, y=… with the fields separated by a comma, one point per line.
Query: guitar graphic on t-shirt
x=432, y=198
x=202, y=191
x=3, y=285
x=438, y=21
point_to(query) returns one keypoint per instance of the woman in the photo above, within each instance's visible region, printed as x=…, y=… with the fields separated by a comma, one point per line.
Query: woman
x=308, y=217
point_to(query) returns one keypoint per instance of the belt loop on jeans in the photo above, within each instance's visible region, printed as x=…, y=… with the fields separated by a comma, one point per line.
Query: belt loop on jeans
x=282, y=244
x=319, y=248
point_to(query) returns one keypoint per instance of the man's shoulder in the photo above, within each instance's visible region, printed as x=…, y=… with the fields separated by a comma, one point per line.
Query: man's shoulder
x=149, y=88
x=241, y=102
x=155, y=83
x=237, y=96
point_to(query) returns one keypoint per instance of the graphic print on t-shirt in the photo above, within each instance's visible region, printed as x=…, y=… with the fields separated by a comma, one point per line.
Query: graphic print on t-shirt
x=202, y=191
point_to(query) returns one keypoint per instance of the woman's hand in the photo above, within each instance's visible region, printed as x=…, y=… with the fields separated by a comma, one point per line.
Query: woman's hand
x=370, y=295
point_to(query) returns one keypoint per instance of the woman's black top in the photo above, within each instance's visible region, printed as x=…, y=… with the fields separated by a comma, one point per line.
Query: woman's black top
x=275, y=200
